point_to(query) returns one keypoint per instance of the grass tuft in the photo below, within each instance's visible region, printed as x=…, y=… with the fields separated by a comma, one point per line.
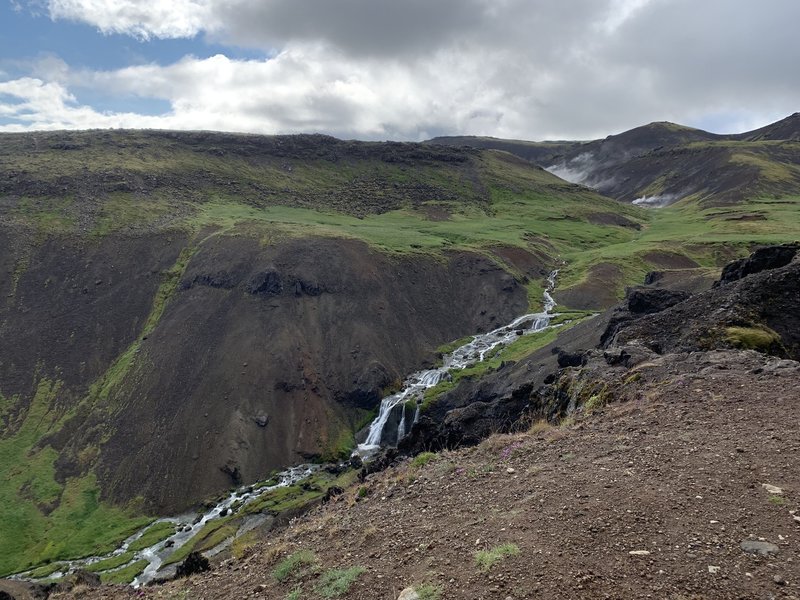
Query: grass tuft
x=335, y=582
x=486, y=559
x=422, y=459
x=294, y=565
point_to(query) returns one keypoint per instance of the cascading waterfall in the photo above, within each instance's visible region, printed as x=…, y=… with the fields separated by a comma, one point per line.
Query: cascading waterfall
x=464, y=356
x=187, y=525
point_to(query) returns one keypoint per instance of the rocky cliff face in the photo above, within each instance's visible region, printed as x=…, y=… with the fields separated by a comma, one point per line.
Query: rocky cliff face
x=754, y=307
x=187, y=365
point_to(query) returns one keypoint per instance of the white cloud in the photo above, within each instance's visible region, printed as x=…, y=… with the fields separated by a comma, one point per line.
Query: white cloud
x=414, y=68
x=141, y=19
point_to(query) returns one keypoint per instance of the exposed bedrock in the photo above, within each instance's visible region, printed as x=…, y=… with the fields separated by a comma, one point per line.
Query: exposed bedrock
x=263, y=356
x=760, y=311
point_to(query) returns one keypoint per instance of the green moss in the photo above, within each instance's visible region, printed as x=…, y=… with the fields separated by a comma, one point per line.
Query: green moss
x=428, y=591
x=203, y=539
x=759, y=338
x=42, y=572
x=517, y=350
x=450, y=347
x=125, y=574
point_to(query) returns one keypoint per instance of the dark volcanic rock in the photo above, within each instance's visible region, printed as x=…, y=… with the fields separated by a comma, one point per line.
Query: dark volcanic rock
x=267, y=283
x=194, y=563
x=639, y=302
x=569, y=359
x=653, y=300
x=771, y=257
x=78, y=578
x=651, y=322
x=765, y=304
x=220, y=279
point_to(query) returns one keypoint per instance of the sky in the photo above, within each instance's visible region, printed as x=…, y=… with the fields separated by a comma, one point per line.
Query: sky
x=398, y=69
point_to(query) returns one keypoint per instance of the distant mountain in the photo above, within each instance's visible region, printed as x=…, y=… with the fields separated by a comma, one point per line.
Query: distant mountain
x=662, y=163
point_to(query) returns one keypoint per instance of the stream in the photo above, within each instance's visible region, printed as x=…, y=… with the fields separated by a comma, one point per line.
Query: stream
x=464, y=356
x=190, y=524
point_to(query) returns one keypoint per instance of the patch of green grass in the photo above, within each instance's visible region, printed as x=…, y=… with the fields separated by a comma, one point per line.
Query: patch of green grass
x=451, y=346
x=125, y=574
x=42, y=572
x=336, y=582
x=209, y=533
x=295, y=594
x=422, y=459
x=295, y=565
x=777, y=500
x=428, y=591
x=752, y=338
x=111, y=562
x=517, y=350
x=154, y=534
x=41, y=519
x=486, y=559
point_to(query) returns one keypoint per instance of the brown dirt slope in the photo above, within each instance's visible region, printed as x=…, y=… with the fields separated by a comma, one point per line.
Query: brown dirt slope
x=651, y=496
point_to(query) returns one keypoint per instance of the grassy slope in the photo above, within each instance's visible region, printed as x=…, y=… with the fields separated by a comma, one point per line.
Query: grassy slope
x=490, y=199
x=706, y=235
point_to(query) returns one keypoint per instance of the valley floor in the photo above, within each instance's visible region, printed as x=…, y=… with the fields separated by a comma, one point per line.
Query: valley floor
x=650, y=497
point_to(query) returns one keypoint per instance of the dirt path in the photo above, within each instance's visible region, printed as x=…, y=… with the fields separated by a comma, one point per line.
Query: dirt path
x=648, y=498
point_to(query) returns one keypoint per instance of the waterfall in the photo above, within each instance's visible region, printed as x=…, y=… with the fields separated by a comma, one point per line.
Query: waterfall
x=464, y=356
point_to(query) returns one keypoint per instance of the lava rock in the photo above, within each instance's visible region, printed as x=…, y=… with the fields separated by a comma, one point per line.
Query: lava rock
x=570, y=359
x=194, y=563
x=80, y=577
x=763, y=259
x=653, y=300
x=267, y=283
x=232, y=471
x=332, y=492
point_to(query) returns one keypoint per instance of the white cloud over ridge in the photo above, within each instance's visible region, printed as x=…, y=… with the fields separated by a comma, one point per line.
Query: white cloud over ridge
x=411, y=69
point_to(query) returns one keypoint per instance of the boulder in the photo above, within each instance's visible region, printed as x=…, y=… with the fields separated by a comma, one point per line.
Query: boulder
x=78, y=578
x=763, y=259
x=194, y=563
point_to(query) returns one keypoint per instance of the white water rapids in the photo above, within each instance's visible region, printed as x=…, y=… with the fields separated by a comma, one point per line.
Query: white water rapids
x=189, y=525
x=464, y=356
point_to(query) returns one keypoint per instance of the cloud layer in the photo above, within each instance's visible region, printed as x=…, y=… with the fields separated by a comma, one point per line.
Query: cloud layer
x=411, y=69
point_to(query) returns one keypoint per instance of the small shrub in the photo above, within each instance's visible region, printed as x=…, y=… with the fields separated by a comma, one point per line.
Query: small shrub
x=540, y=426
x=294, y=594
x=486, y=559
x=752, y=338
x=422, y=459
x=633, y=379
x=428, y=592
x=595, y=402
x=567, y=421
x=363, y=492
x=335, y=582
x=777, y=500
x=289, y=566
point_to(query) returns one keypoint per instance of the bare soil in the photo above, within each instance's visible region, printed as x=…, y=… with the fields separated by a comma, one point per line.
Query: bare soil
x=650, y=496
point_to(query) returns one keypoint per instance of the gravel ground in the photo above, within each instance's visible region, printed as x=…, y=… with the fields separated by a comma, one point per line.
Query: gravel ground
x=652, y=496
